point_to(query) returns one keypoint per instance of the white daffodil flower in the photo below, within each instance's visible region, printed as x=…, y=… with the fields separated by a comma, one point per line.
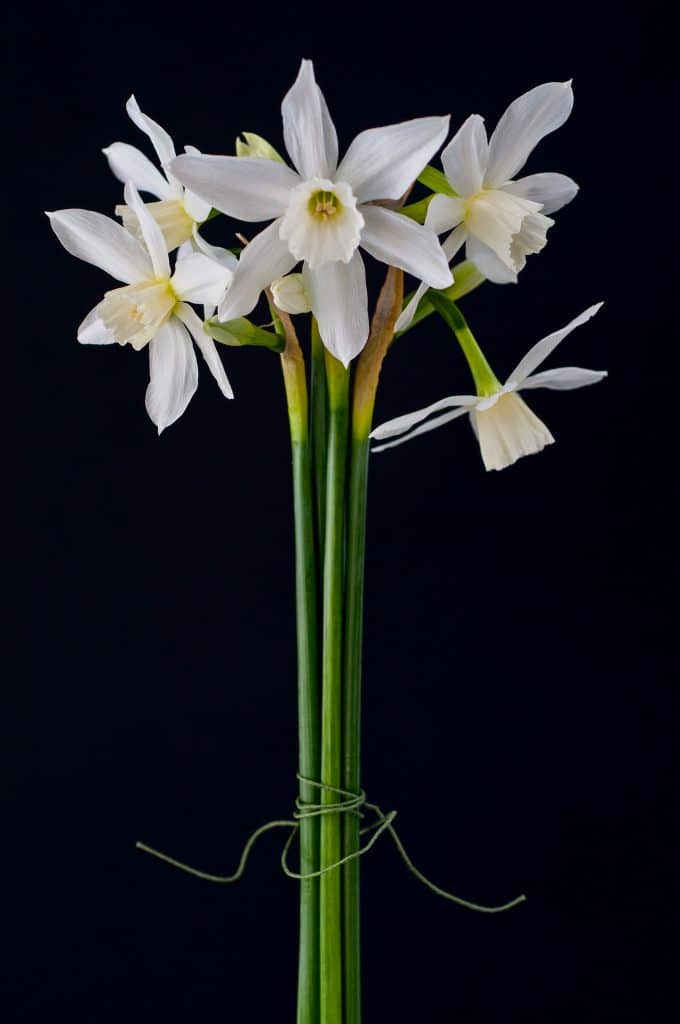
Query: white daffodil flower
x=179, y=212
x=502, y=221
x=151, y=308
x=503, y=423
x=322, y=212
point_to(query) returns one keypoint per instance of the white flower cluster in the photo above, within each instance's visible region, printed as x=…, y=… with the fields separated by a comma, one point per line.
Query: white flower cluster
x=323, y=212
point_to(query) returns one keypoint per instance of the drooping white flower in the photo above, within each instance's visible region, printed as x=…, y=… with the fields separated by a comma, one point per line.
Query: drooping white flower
x=502, y=220
x=505, y=426
x=152, y=306
x=179, y=212
x=322, y=212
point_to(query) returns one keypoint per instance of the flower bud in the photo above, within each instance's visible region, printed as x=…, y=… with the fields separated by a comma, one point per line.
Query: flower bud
x=289, y=294
x=255, y=145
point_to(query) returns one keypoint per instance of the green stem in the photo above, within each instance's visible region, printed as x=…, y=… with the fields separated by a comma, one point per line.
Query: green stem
x=319, y=428
x=308, y=695
x=485, y=379
x=366, y=379
x=466, y=279
x=351, y=780
x=332, y=698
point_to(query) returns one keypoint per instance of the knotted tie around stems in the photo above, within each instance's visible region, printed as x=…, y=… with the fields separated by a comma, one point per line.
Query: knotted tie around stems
x=348, y=803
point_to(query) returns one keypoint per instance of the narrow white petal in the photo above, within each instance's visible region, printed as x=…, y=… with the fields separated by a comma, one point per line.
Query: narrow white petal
x=564, y=378
x=401, y=242
x=92, y=331
x=381, y=163
x=247, y=188
x=207, y=347
x=465, y=158
x=552, y=190
x=215, y=252
x=402, y=423
x=262, y=261
x=197, y=278
x=425, y=428
x=151, y=232
x=337, y=293
x=99, y=240
x=488, y=263
x=450, y=246
x=160, y=139
x=542, y=349
x=308, y=130
x=526, y=121
x=197, y=208
x=129, y=164
x=444, y=213
x=173, y=373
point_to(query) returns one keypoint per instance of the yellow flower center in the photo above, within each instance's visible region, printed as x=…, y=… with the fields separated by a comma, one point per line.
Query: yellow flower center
x=323, y=205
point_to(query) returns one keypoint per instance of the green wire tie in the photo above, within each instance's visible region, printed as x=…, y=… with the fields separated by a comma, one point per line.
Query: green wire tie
x=349, y=803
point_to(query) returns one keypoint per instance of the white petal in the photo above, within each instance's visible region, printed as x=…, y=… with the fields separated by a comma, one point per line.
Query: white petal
x=308, y=130
x=339, y=301
x=401, y=242
x=552, y=190
x=245, y=187
x=207, y=347
x=197, y=278
x=543, y=348
x=92, y=331
x=402, y=423
x=381, y=163
x=215, y=252
x=99, y=240
x=161, y=141
x=488, y=263
x=173, y=373
x=425, y=428
x=564, y=378
x=450, y=246
x=129, y=164
x=197, y=208
x=262, y=261
x=151, y=232
x=525, y=122
x=444, y=213
x=464, y=159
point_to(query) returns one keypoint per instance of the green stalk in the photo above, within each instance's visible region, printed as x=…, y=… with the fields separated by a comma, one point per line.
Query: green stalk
x=331, y=705
x=308, y=696
x=365, y=387
x=351, y=781
x=319, y=428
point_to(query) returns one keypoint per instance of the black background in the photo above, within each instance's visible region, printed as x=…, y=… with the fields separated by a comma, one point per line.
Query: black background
x=517, y=688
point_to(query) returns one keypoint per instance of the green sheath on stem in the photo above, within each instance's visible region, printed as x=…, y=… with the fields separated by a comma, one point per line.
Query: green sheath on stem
x=331, y=974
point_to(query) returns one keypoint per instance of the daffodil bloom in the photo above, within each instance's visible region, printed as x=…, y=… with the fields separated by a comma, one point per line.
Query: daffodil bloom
x=505, y=426
x=502, y=220
x=322, y=212
x=152, y=306
x=179, y=212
